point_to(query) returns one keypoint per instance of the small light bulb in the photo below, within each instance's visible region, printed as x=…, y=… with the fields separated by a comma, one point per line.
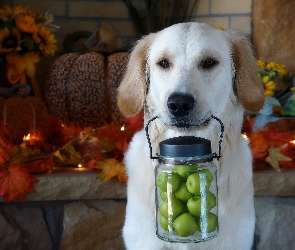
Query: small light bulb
x=245, y=137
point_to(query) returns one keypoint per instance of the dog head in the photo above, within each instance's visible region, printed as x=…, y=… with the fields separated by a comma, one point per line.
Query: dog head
x=189, y=71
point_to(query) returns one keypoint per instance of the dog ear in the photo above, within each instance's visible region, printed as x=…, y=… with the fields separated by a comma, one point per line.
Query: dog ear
x=247, y=85
x=133, y=88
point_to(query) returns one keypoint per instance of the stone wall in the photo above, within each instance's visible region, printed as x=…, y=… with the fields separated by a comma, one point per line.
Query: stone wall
x=274, y=31
x=71, y=209
x=73, y=225
x=81, y=15
x=84, y=213
x=85, y=15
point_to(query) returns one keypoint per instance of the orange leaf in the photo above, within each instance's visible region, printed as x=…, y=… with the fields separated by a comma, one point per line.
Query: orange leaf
x=15, y=182
x=259, y=145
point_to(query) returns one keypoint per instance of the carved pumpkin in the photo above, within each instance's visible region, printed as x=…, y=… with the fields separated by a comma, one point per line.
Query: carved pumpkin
x=82, y=88
x=23, y=116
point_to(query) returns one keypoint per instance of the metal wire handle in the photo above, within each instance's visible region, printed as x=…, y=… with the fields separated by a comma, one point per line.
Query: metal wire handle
x=214, y=154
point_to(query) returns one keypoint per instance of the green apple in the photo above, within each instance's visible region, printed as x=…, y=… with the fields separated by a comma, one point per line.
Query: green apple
x=163, y=195
x=208, y=223
x=184, y=170
x=176, y=208
x=207, y=173
x=196, y=181
x=168, y=178
x=196, y=207
x=164, y=223
x=211, y=200
x=182, y=193
x=185, y=225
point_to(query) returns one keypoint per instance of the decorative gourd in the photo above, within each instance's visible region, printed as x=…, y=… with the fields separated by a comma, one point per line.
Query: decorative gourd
x=82, y=88
x=23, y=116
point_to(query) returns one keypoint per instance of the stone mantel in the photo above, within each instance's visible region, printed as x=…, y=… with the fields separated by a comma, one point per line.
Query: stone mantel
x=273, y=183
x=82, y=184
x=74, y=184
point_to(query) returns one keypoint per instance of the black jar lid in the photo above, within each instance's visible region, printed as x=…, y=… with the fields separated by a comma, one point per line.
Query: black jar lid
x=185, y=146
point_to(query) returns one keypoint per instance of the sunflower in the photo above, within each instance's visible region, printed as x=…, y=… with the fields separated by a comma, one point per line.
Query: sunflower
x=15, y=71
x=7, y=12
x=260, y=64
x=9, y=40
x=269, y=88
x=19, y=66
x=26, y=23
x=46, y=41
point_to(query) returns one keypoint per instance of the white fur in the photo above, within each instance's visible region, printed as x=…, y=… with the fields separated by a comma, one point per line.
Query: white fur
x=186, y=45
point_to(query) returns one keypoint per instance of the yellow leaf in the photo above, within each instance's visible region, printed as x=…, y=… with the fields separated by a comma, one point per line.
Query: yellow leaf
x=274, y=156
x=67, y=155
x=111, y=168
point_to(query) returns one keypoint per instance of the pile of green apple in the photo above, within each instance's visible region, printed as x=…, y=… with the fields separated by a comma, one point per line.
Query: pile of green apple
x=191, y=201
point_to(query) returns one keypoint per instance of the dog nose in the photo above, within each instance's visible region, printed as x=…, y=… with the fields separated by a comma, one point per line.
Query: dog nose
x=180, y=104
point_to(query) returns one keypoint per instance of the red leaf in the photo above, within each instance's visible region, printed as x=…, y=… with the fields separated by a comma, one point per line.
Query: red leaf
x=288, y=151
x=39, y=166
x=91, y=165
x=15, y=182
x=5, y=141
x=135, y=122
x=3, y=156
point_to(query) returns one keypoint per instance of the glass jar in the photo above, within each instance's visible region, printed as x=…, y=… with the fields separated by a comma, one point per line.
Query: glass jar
x=186, y=190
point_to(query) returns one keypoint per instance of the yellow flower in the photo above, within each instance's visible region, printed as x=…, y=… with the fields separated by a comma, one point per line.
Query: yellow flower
x=261, y=64
x=26, y=23
x=46, y=41
x=269, y=88
x=218, y=27
x=15, y=70
x=30, y=60
x=265, y=79
x=7, y=12
x=20, y=66
x=279, y=68
x=9, y=40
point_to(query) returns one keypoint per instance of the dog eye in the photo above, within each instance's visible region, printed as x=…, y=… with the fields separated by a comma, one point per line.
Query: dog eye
x=208, y=63
x=164, y=63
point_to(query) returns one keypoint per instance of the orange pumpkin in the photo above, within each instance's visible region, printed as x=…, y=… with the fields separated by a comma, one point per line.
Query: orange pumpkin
x=23, y=116
x=82, y=88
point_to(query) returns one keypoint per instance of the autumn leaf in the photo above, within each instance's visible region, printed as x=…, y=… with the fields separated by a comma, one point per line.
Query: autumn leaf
x=288, y=151
x=259, y=145
x=135, y=123
x=70, y=129
x=3, y=156
x=91, y=165
x=67, y=155
x=111, y=168
x=88, y=146
x=275, y=156
x=5, y=141
x=39, y=166
x=15, y=182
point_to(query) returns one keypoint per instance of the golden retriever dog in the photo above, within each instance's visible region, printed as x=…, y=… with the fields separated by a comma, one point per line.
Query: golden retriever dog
x=184, y=74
